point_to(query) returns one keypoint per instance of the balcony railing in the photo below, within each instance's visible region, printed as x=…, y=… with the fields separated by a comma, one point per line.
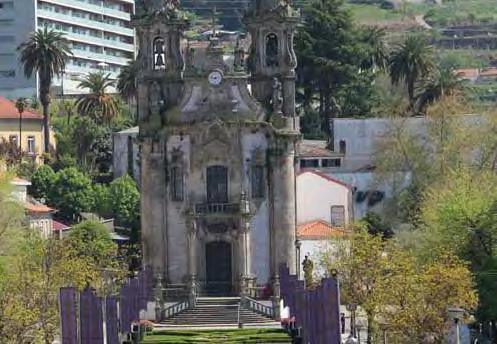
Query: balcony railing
x=217, y=208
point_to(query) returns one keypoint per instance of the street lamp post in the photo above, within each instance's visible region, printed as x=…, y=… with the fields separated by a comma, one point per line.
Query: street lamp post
x=456, y=314
x=352, y=309
x=21, y=106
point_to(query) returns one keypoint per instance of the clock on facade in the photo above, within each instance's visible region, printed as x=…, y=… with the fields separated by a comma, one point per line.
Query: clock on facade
x=215, y=77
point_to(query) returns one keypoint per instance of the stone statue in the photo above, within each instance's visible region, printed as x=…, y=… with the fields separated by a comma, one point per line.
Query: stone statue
x=308, y=267
x=239, y=63
x=277, y=98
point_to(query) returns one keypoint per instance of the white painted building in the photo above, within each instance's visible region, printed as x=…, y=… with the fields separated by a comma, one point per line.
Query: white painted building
x=322, y=197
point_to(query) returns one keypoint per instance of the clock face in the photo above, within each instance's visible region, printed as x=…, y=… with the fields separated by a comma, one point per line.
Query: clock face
x=215, y=78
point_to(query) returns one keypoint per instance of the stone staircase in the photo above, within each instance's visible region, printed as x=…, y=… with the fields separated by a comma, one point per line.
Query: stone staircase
x=218, y=312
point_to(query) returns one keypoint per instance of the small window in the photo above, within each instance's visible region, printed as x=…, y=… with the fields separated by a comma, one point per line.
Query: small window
x=309, y=163
x=331, y=163
x=258, y=182
x=31, y=145
x=338, y=215
x=177, y=184
x=343, y=146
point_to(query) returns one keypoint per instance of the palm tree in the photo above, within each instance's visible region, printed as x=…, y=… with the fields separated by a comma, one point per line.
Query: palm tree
x=375, y=39
x=45, y=53
x=126, y=81
x=443, y=81
x=97, y=103
x=410, y=61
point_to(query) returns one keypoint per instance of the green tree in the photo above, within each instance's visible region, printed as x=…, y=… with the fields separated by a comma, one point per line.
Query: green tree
x=126, y=81
x=92, y=240
x=45, y=53
x=441, y=82
x=458, y=215
x=333, y=55
x=72, y=193
x=124, y=199
x=410, y=61
x=11, y=216
x=388, y=282
x=42, y=182
x=30, y=307
x=97, y=104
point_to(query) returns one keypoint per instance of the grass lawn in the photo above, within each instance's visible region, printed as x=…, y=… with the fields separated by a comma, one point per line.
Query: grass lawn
x=243, y=336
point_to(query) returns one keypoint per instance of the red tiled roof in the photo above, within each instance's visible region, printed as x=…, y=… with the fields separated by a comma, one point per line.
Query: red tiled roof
x=324, y=176
x=319, y=230
x=37, y=208
x=59, y=226
x=8, y=110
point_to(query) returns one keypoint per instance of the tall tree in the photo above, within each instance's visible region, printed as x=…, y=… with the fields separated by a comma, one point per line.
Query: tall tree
x=126, y=81
x=410, y=61
x=335, y=71
x=441, y=82
x=97, y=104
x=45, y=53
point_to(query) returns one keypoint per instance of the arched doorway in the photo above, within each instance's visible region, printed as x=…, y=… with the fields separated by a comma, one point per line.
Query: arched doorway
x=218, y=268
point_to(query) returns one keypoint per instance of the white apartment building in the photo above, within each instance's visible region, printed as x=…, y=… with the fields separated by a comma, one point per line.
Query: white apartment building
x=99, y=31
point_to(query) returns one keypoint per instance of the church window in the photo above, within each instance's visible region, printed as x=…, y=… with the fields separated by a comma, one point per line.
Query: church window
x=258, y=181
x=217, y=184
x=176, y=184
x=272, y=49
x=159, y=54
x=338, y=215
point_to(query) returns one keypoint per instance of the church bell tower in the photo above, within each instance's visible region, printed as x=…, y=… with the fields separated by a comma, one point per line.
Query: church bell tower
x=272, y=25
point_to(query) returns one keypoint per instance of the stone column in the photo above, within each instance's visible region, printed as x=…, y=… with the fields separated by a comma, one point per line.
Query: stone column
x=192, y=260
x=283, y=225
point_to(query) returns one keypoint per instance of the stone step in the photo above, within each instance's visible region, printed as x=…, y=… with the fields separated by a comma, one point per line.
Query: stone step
x=215, y=311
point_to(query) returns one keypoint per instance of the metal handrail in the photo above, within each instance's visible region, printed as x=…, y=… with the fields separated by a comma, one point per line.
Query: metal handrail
x=175, y=309
x=258, y=307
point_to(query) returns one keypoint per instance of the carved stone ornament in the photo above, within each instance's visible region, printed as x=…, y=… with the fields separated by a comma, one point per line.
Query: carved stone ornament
x=277, y=98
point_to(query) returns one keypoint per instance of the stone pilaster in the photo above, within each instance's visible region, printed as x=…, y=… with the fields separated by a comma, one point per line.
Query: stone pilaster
x=192, y=248
x=153, y=189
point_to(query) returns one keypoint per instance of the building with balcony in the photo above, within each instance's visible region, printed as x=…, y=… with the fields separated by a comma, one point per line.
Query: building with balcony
x=218, y=161
x=24, y=131
x=98, y=30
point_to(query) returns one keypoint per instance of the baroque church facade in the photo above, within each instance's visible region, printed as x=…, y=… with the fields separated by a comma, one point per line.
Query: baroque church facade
x=217, y=150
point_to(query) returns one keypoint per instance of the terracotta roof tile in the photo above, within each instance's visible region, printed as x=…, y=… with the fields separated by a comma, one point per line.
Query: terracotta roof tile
x=319, y=230
x=32, y=207
x=8, y=110
x=59, y=226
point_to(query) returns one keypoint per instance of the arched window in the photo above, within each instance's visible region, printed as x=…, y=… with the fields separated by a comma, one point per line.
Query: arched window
x=159, y=53
x=272, y=50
